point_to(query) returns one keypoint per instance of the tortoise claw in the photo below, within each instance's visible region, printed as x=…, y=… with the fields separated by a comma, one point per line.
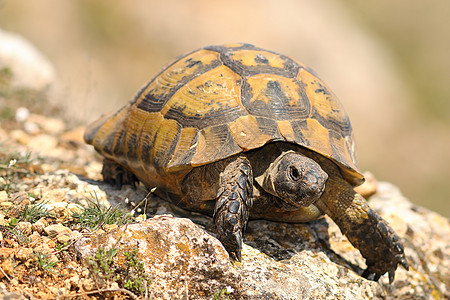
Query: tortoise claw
x=230, y=221
x=404, y=264
x=237, y=253
x=370, y=274
x=391, y=276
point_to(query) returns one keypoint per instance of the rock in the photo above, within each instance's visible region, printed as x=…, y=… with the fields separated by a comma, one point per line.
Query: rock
x=427, y=244
x=52, y=126
x=57, y=229
x=39, y=225
x=27, y=67
x=284, y=261
x=23, y=253
x=3, y=196
x=88, y=284
x=44, y=245
x=24, y=227
x=65, y=189
x=44, y=144
x=75, y=235
x=7, y=268
x=180, y=258
x=22, y=114
x=20, y=136
x=20, y=198
x=6, y=295
x=74, y=136
x=183, y=259
x=6, y=204
x=6, y=252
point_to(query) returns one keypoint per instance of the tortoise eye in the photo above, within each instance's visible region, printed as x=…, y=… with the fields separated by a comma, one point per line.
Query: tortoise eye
x=293, y=173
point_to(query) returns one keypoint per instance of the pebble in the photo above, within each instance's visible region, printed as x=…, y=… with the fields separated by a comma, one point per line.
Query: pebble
x=74, y=136
x=110, y=227
x=63, y=238
x=6, y=252
x=88, y=284
x=20, y=199
x=23, y=254
x=44, y=245
x=57, y=229
x=24, y=227
x=49, y=125
x=31, y=128
x=20, y=136
x=39, y=225
x=45, y=144
x=22, y=113
x=34, y=237
x=7, y=268
x=3, y=196
x=74, y=280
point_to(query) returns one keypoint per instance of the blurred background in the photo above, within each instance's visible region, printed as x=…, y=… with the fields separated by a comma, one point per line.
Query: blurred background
x=388, y=62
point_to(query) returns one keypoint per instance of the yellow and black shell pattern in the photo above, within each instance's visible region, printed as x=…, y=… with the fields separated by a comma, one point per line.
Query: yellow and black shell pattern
x=219, y=101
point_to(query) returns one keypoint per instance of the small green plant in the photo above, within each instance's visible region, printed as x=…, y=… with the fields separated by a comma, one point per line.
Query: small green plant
x=6, y=76
x=222, y=294
x=129, y=275
x=19, y=236
x=12, y=222
x=30, y=213
x=95, y=215
x=13, y=166
x=33, y=212
x=135, y=279
x=44, y=262
x=8, y=175
x=101, y=266
x=61, y=246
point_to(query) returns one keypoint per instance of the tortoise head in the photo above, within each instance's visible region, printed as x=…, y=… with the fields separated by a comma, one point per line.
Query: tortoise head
x=294, y=178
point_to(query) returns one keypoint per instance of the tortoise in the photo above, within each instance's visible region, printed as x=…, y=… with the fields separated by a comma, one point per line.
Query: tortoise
x=237, y=132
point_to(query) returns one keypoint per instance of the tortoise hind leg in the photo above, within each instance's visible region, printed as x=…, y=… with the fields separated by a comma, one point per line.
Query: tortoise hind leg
x=234, y=199
x=116, y=175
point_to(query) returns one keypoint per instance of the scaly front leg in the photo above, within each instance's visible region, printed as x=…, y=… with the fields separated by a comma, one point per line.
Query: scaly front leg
x=366, y=230
x=234, y=199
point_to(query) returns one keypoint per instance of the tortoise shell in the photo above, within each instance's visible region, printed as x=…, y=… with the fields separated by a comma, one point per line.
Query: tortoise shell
x=219, y=101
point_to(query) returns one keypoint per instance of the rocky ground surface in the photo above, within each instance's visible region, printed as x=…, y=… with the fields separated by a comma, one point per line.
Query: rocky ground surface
x=65, y=234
